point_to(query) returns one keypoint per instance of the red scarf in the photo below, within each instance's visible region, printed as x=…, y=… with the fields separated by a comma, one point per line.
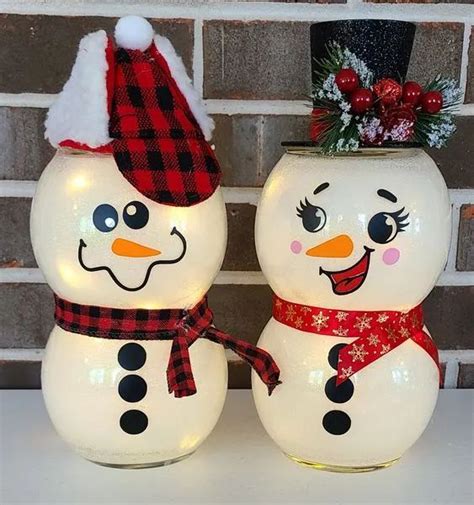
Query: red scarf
x=181, y=326
x=377, y=332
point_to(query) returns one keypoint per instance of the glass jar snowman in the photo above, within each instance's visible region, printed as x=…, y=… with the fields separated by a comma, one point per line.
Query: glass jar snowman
x=130, y=230
x=339, y=260
x=351, y=243
x=109, y=398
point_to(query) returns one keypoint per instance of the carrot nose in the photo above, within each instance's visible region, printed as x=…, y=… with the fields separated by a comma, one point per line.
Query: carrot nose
x=337, y=247
x=122, y=247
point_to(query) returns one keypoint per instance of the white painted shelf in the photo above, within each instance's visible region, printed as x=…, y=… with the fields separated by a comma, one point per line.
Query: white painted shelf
x=237, y=464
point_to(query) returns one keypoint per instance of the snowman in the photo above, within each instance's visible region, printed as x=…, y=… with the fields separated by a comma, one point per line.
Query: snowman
x=351, y=245
x=128, y=226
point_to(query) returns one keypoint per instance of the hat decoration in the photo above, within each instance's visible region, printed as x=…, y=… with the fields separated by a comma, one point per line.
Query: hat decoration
x=360, y=95
x=133, y=98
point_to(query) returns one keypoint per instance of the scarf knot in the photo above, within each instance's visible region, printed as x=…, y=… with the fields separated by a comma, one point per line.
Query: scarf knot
x=182, y=326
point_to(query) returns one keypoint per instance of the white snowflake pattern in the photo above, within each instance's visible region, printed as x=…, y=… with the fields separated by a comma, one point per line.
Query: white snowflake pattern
x=299, y=322
x=345, y=373
x=404, y=332
x=341, y=315
x=385, y=349
x=290, y=313
x=358, y=353
x=363, y=322
x=320, y=321
x=382, y=317
x=391, y=334
x=414, y=320
x=373, y=339
x=278, y=305
x=403, y=317
x=341, y=332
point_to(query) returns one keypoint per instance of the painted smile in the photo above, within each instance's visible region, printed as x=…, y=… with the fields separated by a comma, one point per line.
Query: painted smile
x=349, y=280
x=174, y=231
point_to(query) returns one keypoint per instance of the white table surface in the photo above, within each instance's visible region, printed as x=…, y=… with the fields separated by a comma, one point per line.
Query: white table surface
x=237, y=464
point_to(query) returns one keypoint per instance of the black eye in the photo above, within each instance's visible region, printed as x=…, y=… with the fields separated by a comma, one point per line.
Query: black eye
x=105, y=217
x=135, y=215
x=313, y=217
x=384, y=226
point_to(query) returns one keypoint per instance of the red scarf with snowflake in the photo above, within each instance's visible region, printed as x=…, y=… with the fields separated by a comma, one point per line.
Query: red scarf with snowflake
x=377, y=332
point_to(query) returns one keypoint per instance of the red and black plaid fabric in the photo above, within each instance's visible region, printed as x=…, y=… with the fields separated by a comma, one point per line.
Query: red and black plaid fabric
x=181, y=326
x=157, y=143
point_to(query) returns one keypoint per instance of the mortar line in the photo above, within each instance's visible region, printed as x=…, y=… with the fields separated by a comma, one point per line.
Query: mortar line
x=214, y=106
x=241, y=194
x=453, y=246
x=451, y=374
x=198, y=57
x=465, y=59
x=247, y=11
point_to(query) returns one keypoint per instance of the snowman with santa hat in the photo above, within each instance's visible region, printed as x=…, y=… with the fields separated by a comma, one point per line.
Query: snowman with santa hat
x=128, y=226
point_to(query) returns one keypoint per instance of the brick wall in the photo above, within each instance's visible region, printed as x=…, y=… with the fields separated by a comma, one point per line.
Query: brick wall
x=251, y=62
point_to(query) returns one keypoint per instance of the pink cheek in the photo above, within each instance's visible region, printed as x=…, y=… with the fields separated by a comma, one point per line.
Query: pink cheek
x=391, y=256
x=295, y=247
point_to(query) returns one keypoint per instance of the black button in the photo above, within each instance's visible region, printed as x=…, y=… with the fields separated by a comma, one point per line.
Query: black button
x=133, y=422
x=334, y=355
x=336, y=422
x=131, y=356
x=339, y=394
x=132, y=388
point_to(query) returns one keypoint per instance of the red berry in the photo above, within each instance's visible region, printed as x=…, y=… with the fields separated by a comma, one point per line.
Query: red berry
x=362, y=100
x=347, y=80
x=411, y=93
x=431, y=102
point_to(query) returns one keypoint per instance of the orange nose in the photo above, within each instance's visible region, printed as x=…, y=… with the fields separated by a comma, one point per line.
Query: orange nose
x=337, y=247
x=122, y=247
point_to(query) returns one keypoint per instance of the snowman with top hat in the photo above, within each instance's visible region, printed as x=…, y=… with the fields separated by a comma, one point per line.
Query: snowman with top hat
x=128, y=226
x=352, y=232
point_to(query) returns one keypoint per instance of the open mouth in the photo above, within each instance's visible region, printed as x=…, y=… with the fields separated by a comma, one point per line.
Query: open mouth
x=174, y=231
x=349, y=280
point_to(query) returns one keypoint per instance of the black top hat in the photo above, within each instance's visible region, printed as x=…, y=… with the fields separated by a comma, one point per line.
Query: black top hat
x=384, y=45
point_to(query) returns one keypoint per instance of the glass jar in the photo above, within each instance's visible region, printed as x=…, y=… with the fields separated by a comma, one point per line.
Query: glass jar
x=83, y=377
x=312, y=199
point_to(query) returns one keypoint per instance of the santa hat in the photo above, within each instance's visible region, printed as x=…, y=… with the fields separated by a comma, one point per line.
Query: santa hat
x=133, y=98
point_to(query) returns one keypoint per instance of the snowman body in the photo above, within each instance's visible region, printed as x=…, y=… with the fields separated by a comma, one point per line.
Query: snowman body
x=317, y=220
x=109, y=399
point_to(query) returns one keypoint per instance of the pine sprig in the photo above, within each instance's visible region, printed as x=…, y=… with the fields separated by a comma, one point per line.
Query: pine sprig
x=434, y=130
x=339, y=129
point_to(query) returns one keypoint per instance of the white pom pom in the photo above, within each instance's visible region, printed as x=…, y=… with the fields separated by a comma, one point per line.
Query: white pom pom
x=133, y=32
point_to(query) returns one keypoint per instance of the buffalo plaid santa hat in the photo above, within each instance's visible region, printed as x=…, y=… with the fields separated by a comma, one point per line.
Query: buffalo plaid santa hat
x=133, y=98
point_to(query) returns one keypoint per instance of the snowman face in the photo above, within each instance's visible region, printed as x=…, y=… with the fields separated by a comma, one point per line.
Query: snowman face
x=99, y=241
x=362, y=233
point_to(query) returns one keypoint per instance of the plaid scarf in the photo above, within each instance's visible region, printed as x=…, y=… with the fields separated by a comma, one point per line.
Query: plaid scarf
x=181, y=326
x=377, y=332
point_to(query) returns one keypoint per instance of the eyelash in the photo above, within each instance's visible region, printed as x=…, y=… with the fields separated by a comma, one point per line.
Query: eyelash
x=401, y=221
x=302, y=207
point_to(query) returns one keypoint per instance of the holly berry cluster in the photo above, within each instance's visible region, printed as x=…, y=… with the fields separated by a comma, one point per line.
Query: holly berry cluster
x=387, y=92
x=352, y=109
